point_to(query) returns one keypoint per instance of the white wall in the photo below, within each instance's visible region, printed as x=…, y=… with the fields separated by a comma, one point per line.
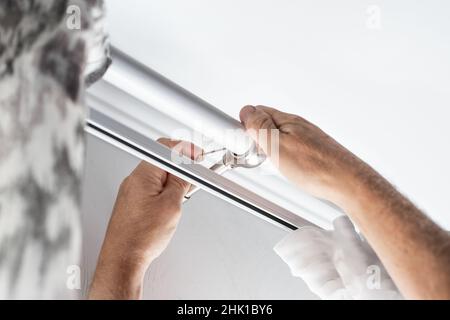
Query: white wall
x=384, y=93
x=218, y=252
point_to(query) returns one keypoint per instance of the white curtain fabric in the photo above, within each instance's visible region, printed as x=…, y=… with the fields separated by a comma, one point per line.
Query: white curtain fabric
x=336, y=264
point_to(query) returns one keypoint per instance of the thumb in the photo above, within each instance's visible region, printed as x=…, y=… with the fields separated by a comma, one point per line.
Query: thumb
x=259, y=125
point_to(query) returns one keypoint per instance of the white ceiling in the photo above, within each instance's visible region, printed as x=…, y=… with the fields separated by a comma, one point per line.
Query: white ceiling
x=384, y=93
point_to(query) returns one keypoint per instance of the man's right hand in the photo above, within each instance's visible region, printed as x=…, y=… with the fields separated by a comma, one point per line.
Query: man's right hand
x=307, y=156
x=414, y=250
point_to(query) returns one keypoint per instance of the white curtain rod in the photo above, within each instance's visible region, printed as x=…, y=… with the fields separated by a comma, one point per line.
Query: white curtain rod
x=168, y=98
x=151, y=151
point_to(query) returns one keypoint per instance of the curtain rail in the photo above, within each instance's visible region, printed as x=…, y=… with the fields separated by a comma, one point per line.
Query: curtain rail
x=151, y=151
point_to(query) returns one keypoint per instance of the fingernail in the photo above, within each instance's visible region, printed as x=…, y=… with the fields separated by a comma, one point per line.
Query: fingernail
x=246, y=112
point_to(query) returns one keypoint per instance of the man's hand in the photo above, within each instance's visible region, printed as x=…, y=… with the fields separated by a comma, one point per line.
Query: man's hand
x=414, y=250
x=144, y=219
x=307, y=155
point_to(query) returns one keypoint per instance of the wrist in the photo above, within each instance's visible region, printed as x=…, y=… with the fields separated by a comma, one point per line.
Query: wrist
x=117, y=277
x=113, y=281
x=127, y=264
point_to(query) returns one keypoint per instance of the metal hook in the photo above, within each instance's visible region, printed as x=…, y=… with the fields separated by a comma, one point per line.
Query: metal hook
x=251, y=159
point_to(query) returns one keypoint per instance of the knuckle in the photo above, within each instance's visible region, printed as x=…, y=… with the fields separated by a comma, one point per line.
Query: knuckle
x=127, y=183
x=180, y=184
x=266, y=122
x=297, y=118
x=263, y=122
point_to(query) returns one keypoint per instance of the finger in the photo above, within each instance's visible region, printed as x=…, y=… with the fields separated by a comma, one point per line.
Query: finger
x=256, y=118
x=175, y=188
x=182, y=147
x=287, y=123
x=150, y=173
x=185, y=148
x=260, y=127
x=279, y=118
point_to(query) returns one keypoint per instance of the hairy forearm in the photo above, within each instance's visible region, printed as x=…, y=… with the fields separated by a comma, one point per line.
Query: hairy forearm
x=116, y=279
x=415, y=250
